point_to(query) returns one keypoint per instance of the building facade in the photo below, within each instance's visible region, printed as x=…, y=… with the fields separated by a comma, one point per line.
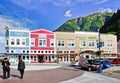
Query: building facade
x=74, y=45
x=43, y=46
x=17, y=44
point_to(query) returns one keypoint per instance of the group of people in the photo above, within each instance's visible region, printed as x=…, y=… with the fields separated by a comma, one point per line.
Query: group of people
x=6, y=68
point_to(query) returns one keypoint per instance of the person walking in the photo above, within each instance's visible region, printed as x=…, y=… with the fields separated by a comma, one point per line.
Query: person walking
x=6, y=68
x=21, y=67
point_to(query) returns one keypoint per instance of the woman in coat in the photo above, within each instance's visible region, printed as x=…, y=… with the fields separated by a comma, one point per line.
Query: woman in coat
x=21, y=67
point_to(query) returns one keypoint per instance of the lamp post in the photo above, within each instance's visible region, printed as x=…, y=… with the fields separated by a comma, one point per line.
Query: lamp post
x=99, y=54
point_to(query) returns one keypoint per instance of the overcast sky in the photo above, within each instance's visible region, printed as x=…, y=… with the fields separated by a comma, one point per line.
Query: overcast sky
x=49, y=14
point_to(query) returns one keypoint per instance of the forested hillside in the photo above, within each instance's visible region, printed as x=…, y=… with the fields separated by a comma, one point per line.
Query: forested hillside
x=87, y=23
x=113, y=25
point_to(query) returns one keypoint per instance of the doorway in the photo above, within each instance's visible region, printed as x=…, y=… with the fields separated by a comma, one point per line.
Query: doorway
x=40, y=59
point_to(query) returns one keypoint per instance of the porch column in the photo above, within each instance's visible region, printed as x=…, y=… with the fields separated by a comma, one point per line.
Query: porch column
x=69, y=58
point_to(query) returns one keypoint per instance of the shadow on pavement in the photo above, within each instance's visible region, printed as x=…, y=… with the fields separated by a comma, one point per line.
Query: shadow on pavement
x=16, y=76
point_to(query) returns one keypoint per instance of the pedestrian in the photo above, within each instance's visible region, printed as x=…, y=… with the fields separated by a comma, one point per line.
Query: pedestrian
x=6, y=68
x=21, y=67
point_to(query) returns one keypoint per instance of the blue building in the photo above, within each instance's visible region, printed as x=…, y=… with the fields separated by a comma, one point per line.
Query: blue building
x=17, y=44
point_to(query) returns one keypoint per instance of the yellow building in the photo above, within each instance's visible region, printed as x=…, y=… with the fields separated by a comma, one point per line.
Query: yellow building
x=73, y=45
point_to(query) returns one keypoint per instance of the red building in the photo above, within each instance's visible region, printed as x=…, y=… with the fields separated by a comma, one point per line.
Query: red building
x=42, y=46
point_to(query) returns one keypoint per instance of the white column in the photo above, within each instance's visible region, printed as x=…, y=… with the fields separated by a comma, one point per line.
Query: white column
x=69, y=58
x=63, y=58
x=51, y=58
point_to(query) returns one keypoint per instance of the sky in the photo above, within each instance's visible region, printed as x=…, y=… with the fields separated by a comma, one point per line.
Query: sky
x=48, y=14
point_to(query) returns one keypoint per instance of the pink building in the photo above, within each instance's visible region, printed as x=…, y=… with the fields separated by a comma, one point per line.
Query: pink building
x=42, y=46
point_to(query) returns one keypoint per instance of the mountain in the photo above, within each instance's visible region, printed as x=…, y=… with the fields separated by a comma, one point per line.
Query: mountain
x=88, y=23
x=113, y=25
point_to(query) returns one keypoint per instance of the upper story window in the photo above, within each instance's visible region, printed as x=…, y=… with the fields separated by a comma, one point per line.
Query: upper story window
x=12, y=42
x=23, y=41
x=42, y=42
x=52, y=42
x=7, y=42
x=109, y=43
x=70, y=43
x=91, y=43
x=60, y=43
x=32, y=42
x=18, y=41
x=82, y=43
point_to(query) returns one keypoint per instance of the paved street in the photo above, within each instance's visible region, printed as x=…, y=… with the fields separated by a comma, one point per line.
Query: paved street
x=56, y=74
x=89, y=77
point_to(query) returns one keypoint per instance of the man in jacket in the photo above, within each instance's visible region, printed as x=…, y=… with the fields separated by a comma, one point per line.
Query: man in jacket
x=21, y=67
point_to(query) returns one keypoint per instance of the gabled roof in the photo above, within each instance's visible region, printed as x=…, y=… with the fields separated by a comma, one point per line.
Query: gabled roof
x=42, y=31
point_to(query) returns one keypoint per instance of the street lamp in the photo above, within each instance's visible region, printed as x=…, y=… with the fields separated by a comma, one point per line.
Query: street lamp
x=99, y=54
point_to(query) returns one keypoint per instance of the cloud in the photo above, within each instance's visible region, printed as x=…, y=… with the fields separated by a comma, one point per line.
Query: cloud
x=68, y=13
x=2, y=44
x=28, y=4
x=96, y=2
x=100, y=1
x=105, y=10
x=5, y=20
x=34, y=4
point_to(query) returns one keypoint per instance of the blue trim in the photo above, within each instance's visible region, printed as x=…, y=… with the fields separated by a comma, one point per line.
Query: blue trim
x=19, y=34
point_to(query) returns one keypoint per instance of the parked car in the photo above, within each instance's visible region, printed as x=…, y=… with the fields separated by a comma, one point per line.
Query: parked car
x=89, y=65
x=116, y=61
x=105, y=64
x=75, y=63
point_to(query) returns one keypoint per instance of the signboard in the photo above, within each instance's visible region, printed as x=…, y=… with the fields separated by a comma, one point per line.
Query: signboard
x=92, y=37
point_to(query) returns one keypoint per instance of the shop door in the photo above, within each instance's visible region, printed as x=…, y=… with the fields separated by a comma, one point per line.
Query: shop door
x=40, y=59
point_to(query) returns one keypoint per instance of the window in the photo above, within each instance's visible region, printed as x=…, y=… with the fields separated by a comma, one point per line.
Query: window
x=23, y=51
x=23, y=57
x=38, y=51
x=34, y=58
x=18, y=41
x=51, y=42
x=91, y=43
x=7, y=42
x=27, y=57
x=60, y=43
x=42, y=42
x=12, y=41
x=27, y=51
x=34, y=51
x=41, y=51
x=82, y=43
x=109, y=43
x=23, y=41
x=52, y=51
x=70, y=43
x=32, y=41
x=12, y=51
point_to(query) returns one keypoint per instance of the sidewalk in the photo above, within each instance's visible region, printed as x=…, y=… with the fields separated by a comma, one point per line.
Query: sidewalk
x=49, y=75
